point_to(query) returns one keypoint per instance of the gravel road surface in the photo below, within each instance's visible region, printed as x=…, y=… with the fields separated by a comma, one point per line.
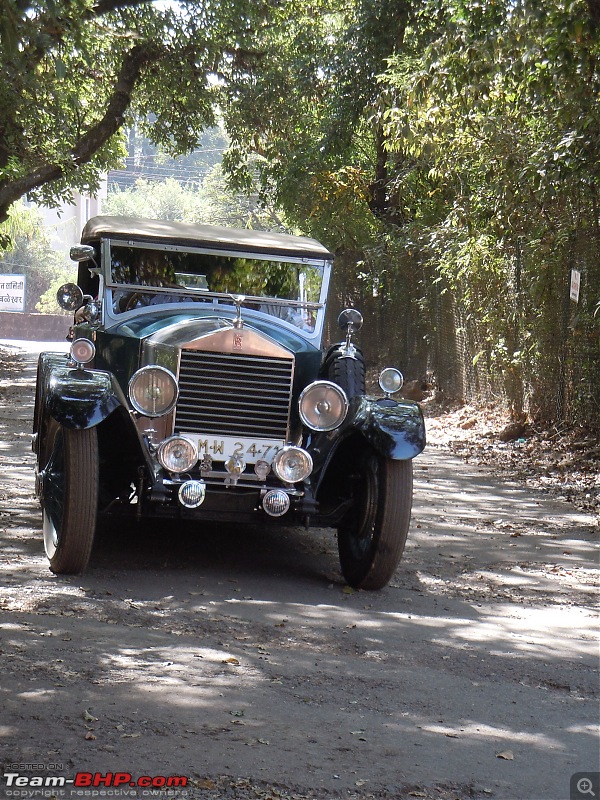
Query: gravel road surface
x=239, y=659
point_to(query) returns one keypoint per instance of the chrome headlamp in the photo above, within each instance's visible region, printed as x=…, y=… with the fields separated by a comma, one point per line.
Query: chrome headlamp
x=82, y=351
x=153, y=391
x=391, y=380
x=177, y=454
x=323, y=406
x=292, y=464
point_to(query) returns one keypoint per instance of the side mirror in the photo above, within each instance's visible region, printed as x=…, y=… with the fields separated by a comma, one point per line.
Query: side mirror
x=69, y=297
x=350, y=320
x=82, y=252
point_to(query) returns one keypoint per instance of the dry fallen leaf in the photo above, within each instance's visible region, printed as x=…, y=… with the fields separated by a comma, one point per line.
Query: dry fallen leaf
x=89, y=735
x=232, y=660
x=88, y=717
x=507, y=755
x=205, y=783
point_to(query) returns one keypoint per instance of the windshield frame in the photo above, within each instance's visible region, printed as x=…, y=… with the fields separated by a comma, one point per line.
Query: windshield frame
x=220, y=300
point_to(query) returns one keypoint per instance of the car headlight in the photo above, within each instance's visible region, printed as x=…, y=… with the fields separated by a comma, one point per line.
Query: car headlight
x=177, y=454
x=323, y=406
x=82, y=351
x=391, y=380
x=292, y=464
x=153, y=391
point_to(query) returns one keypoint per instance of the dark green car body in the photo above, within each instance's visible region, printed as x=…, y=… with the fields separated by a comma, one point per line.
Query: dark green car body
x=231, y=324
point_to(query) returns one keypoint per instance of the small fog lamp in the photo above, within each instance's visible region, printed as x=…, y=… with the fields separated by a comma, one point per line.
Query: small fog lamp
x=177, y=454
x=391, y=380
x=292, y=464
x=276, y=502
x=192, y=493
x=323, y=406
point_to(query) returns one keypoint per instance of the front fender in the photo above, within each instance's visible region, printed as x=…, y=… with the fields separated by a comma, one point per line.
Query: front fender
x=81, y=398
x=395, y=429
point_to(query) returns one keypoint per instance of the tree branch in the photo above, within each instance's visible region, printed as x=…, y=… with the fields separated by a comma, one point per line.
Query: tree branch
x=382, y=203
x=52, y=26
x=105, y=6
x=92, y=140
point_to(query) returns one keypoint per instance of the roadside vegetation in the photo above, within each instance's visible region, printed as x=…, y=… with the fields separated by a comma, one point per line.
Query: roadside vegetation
x=447, y=151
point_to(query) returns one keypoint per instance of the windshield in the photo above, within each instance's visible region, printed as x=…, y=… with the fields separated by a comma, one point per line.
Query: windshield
x=195, y=276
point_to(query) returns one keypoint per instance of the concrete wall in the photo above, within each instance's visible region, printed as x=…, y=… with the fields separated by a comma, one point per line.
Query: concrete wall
x=34, y=327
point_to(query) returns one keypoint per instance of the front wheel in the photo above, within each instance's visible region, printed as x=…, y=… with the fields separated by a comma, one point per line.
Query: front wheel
x=372, y=535
x=69, y=497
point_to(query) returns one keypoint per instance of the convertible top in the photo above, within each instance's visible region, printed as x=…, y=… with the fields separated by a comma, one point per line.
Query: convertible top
x=183, y=233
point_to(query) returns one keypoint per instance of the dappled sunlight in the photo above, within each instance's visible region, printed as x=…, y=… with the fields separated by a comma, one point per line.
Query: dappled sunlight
x=38, y=695
x=539, y=634
x=590, y=729
x=238, y=650
x=498, y=734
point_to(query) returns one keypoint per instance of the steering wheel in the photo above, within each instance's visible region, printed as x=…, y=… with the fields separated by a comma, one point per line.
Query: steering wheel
x=133, y=301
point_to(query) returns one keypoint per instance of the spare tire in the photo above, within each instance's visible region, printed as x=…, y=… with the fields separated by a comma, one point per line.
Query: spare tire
x=349, y=373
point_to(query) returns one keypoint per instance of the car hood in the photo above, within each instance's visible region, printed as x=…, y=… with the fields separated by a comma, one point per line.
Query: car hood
x=177, y=328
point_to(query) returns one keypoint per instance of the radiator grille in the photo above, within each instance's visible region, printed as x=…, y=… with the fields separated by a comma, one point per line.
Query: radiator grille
x=234, y=395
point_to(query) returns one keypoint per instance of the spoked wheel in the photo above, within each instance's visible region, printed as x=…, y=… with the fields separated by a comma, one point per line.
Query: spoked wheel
x=69, y=497
x=372, y=536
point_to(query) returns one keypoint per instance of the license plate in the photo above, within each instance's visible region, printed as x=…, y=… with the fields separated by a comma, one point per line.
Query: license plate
x=220, y=448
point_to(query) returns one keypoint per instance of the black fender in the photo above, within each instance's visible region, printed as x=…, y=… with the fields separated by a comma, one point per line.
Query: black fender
x=394, y=428
x=79, y=398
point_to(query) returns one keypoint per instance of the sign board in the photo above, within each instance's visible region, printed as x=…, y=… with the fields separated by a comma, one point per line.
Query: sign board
x=12, y=292
x=575, y=284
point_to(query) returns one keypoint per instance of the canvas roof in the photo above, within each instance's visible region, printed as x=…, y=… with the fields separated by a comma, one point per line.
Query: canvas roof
x=183, y=233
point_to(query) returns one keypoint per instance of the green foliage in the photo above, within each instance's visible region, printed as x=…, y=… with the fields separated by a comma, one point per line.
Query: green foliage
x=75, y=73
x=449, y=152
x=506, y=131
x=212, y=202
x=166, y=199
x=48, y=303
x=220, y=204
x=31, y=254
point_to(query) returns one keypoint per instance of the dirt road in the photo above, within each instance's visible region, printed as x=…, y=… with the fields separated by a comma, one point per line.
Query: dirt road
x=239, y=659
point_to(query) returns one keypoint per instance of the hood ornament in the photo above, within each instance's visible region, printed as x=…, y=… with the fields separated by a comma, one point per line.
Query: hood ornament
x=238, y=300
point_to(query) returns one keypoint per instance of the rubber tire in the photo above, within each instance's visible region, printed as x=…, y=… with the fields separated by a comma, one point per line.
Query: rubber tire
x=69, y=497
x=349, y=373
x=372, y=536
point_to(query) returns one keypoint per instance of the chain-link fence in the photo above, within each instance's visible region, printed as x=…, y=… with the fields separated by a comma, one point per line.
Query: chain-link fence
x=419, y=326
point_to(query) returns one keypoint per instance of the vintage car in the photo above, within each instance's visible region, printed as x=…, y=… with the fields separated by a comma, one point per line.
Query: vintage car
x=196, y=388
